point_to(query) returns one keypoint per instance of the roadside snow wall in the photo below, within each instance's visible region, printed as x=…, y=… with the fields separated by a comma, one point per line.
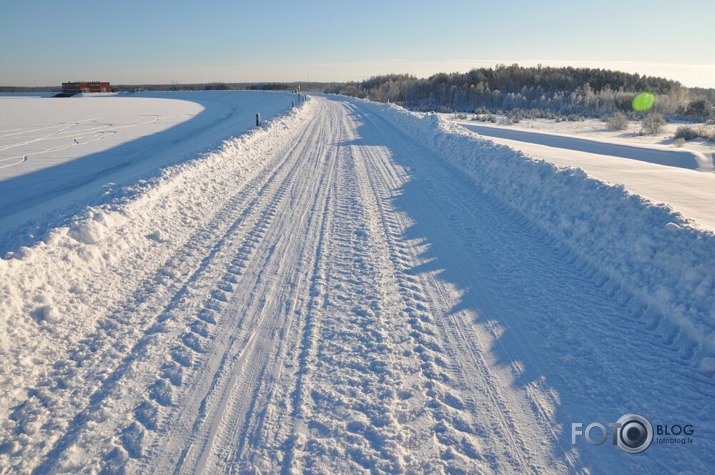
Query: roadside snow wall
x=649, y=249
x=54, y=294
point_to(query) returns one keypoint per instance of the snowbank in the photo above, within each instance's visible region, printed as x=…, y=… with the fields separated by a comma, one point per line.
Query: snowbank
x=54, y=293
x=647, y=248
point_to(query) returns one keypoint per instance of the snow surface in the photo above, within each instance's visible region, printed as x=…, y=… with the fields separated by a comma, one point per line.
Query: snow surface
x=38, y=133
x=357, y=288
x=58, y=154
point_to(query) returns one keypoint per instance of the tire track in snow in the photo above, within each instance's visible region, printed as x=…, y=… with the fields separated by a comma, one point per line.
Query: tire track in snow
x=430, y=305
x=187, y=352
x=234, y=408
x=353, y=370
x=452, y=423
x=366, y=334
x=215, y=309
x=236, y=444
x=276, y=432
x=455, y=427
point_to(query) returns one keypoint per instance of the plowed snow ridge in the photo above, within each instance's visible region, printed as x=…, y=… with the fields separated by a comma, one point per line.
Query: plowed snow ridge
x=357, y=288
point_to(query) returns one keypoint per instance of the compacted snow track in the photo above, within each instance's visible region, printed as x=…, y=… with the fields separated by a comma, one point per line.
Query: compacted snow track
x=335, y=297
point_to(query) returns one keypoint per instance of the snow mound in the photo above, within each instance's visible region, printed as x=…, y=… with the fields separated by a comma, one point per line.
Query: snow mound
x=647, y=248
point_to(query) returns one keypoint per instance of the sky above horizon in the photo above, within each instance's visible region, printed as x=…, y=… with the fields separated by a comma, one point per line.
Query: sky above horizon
x=46, y=42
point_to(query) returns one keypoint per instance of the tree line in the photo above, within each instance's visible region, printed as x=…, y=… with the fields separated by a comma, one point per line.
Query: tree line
x=565, y=90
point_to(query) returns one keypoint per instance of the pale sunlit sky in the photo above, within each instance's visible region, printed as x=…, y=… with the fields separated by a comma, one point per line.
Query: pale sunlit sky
x=46, y=42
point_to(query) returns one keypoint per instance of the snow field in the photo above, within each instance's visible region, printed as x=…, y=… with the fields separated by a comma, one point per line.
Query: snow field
x=40, y=132
x=647, y=248
x=696, y=157
x=84, y=150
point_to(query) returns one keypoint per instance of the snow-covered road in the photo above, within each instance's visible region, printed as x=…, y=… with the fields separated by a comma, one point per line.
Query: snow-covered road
x=338, y=294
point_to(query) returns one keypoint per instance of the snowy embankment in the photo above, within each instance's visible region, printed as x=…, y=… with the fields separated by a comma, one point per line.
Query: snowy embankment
x=56, y=294
x=626, y=159
x=647, y=248
x=661, y=155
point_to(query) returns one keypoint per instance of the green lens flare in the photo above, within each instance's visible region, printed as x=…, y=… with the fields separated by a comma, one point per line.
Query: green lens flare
x=643, y=101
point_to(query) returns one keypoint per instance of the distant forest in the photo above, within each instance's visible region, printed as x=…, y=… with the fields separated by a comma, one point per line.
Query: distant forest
x=561, y=91
x=533, y=91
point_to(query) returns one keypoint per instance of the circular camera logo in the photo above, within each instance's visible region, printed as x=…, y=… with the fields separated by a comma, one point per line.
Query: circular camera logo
x=634, y=433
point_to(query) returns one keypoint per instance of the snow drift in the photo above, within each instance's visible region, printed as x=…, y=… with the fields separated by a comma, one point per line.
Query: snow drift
x=649, y=249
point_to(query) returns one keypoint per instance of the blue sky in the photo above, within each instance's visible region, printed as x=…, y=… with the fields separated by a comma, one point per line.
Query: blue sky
x=45, y=42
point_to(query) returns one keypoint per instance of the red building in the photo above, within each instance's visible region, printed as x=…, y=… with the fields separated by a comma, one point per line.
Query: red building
x=78, y=87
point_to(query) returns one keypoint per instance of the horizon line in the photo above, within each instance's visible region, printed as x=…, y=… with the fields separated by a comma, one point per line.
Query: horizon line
x=345, y=71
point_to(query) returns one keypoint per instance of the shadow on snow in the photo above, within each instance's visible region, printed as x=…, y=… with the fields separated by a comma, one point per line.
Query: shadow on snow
x=589, y=349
